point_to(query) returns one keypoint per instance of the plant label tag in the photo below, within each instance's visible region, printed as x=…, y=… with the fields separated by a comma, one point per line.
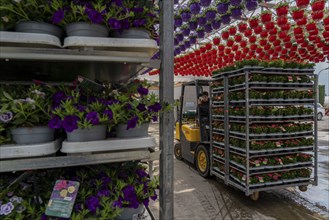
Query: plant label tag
x=282, y=128
x=290, y=78
x=280, y=161
x=257, y=163
x=243, y=178
x=62, y=199
x=298, y=78
x=261, y=180
x=278, y=144
x=265, y=161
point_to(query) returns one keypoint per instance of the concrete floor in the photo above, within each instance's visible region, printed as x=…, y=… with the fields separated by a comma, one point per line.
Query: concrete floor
x=196, y=198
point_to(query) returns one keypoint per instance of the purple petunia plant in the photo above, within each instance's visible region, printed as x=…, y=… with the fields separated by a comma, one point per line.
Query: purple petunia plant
x=136, y=105
x=71, y=112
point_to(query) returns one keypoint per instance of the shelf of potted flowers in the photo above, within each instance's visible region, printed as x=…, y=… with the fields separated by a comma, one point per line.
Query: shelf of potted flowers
x=115, y=191
x=24, y=115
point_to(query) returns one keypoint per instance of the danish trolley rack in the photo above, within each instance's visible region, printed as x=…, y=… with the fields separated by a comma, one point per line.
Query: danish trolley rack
x=222, y=151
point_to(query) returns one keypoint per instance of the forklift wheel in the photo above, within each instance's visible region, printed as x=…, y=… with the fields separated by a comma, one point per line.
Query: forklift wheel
x=202, y=161
x=178, y=151
x=254, y=196
x=302, y=188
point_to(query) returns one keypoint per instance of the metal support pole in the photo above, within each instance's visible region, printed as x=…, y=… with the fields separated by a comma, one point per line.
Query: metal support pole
x=226, y=130
x=315, y=88
x=167, y=118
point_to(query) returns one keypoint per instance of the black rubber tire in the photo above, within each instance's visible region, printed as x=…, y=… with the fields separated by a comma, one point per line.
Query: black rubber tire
x=178, y=151
x=319, y=116
x=203, y=172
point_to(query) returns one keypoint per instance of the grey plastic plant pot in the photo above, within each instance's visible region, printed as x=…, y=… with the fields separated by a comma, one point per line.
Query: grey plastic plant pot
x=84, y=29
x=135, y=33
x=138, y=131
x=130, y=213
x=32, y=135
x=38, y=27
x=93, y=133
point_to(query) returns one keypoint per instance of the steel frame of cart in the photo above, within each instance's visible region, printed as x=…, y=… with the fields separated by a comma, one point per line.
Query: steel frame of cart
x=225, y=89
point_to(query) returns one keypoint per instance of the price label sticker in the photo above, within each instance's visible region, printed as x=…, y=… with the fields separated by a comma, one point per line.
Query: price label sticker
x=62, y=199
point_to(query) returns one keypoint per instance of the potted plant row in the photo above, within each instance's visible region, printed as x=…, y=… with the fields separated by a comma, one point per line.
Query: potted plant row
x=112, y=191
x=273, y=128
x=269, y=95
x=132, y=19
x=272, y=161
x=271, y=111
x=83, y=117
x=272, y=145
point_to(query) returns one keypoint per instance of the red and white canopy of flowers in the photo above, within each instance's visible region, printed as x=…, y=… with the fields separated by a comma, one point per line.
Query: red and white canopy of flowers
x=298, y=34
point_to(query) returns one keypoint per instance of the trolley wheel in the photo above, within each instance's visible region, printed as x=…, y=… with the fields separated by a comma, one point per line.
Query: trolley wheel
x=202, y=161
x=178, y=151
x=302, y=188
x=254, y=196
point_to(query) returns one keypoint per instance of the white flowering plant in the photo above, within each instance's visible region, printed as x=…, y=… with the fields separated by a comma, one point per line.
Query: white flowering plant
x=30, y=109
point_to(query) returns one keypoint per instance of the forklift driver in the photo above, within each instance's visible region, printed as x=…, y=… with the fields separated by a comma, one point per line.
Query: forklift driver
x=203, y=102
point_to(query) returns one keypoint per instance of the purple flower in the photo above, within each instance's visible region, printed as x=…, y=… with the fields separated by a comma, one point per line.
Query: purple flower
x=146, y=202
x=58, y=97
x=94, y=16
x=118, y=2
x=200, y=33
x=193, y=25
x=108, y=113
x=186, y=16
x=236, y=2
x=6, y=117
x=187, y=44
x=210, y=15
x=226, y=19
x=141, y=173
x=43, y=216
x=78, y=207
x=80, y=107
x=93, y=118
x=202, y=21
x=125, y=24
x=182, y=47
x=208, y=28
x=114, y=24
x=154, y=197
x=180, y=37
x=58, y=16
x=129, y=194
x=178, y=22
x=216, y=24
x=141, y=107
x=70, y=123
x=132, y=123
x=251, y=5
x=92, y=203
x=128, y=107
x=118, y=203
x=155, y=107
x=142, y=91
x=139, y=22
x=104, y=192
x=236, y=13
x=205, y=3
x=186, y=32
x=6, y=209
x=55, y=122
x=222, y=8
x=195, y=8
x=138, y=10
x=193, y=39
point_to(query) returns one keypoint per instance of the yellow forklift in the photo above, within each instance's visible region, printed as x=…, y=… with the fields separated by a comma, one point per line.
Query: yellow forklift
x=192, y=131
